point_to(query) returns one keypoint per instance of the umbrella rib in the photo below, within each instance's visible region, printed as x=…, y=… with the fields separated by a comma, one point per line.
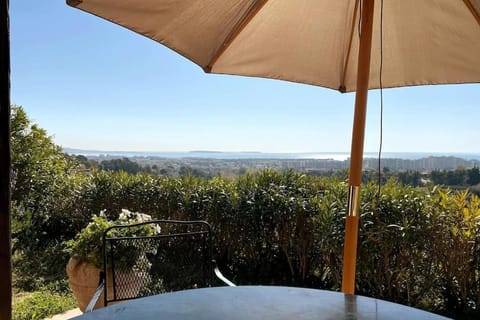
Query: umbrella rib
x=342, y=87
x=472, y=10
x=236, y=30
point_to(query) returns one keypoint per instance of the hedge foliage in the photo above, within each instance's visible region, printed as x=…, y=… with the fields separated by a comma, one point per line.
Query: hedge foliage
x=417, y=247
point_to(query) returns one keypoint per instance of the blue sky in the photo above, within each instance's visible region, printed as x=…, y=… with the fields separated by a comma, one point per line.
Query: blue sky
x=94, y=85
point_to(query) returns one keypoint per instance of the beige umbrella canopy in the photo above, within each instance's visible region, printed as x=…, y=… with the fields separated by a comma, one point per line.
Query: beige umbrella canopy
x=337, y=44
x=310, y=41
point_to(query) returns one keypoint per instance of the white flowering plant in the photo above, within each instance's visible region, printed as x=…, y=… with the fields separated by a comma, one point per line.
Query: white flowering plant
x=87, y=244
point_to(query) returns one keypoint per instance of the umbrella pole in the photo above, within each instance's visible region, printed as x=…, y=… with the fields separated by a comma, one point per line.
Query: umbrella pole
x=356, y=156
x=5, y=242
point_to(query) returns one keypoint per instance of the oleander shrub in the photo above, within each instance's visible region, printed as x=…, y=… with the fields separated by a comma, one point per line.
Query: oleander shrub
x=281, y=229
x=420, y=247
x=455, y=248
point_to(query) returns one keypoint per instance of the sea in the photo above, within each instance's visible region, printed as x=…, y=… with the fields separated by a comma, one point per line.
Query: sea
x=338, y=156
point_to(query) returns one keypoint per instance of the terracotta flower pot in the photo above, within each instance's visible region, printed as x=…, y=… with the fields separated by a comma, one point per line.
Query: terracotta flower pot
x=83, y=279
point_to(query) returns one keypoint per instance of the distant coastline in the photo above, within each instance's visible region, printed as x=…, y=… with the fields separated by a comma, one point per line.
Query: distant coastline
x=225, y=155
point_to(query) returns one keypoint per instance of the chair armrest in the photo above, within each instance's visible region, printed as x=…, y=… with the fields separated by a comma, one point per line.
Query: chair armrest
x=220, y=276
x=97, y=294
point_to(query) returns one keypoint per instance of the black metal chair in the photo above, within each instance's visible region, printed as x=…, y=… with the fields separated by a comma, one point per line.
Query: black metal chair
x=178, y=257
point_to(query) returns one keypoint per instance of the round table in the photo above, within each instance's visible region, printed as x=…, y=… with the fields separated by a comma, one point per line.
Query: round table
x=256, y=302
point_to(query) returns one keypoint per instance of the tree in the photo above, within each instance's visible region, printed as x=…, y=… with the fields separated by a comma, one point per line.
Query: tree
x=36, y=160
x=123, y=164
x=87, y=163
x=473, y=176
x=44, y=182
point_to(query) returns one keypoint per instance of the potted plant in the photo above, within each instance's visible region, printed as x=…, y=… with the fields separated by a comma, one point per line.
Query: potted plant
x=86, y=253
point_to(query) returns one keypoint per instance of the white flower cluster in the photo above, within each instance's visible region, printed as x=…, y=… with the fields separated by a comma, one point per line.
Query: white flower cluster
x=127, y=216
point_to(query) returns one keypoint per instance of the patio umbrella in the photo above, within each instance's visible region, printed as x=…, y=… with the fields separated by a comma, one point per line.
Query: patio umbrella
x=334, y=44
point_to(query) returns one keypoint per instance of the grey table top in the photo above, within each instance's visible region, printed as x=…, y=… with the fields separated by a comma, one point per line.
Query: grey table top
x=256, y=302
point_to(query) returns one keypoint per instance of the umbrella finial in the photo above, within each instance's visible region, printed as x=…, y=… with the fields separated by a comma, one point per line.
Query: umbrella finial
x=207, y=69
x=74, y=3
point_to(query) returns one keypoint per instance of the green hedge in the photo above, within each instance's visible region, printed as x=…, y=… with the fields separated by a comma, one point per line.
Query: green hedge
x=416, y=247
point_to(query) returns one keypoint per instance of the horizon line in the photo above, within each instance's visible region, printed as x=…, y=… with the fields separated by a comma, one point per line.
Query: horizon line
x=69, y=150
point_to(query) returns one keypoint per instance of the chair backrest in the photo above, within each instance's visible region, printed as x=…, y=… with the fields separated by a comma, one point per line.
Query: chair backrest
x=177, y=257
